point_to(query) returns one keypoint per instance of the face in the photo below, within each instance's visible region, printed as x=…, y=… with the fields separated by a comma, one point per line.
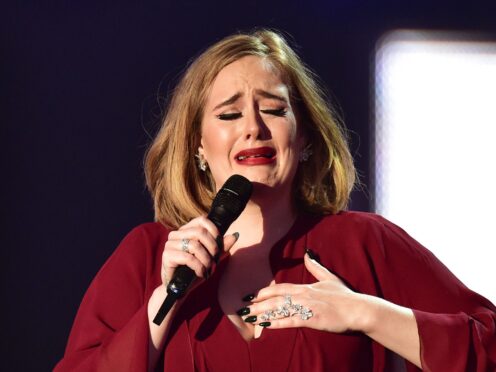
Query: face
x=249, y=126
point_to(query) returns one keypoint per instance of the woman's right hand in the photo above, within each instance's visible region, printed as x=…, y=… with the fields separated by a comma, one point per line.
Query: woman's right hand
x=193, y=245
x=200, y=234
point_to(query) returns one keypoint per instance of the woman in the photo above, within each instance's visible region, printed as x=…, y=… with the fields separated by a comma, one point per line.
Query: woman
x=301, y=285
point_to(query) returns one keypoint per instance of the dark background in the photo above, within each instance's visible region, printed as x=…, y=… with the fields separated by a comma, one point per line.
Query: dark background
x=79, y=88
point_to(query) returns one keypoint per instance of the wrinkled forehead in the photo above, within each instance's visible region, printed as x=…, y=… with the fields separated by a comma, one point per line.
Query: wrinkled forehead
x=249, y=71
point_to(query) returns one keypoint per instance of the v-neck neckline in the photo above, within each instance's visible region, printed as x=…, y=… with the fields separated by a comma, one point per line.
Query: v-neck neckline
x=277, y=249
x=217, y=339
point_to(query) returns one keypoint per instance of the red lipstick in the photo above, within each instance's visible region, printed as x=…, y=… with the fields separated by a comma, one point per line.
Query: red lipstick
x=256, y=156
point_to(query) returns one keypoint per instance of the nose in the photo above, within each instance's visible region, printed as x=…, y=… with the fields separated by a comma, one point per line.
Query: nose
x=255, y=127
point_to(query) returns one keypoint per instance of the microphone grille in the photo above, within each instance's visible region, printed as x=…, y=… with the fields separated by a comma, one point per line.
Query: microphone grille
x=239, y=186
x=230, y=201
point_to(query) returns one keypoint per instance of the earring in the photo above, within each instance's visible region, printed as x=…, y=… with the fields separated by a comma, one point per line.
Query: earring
x=202, y=163
x=306, y=153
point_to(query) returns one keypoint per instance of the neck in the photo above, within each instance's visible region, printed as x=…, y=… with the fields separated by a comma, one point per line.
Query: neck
x=265, y=220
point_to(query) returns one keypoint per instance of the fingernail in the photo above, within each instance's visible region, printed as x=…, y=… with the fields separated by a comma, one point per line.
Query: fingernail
x=264, y=324
x=251, y=319
x=236, y=235
x=243, y=311
x=248, y=297
x=312, y=254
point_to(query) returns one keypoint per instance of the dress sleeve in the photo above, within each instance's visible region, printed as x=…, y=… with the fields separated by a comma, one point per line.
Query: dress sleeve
x=457, y=327
x=110, y=331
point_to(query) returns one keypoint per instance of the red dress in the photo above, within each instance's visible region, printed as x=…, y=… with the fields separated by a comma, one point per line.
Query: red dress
x=457, y=327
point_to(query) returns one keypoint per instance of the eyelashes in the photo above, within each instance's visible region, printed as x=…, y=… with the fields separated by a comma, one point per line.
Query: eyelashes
x=280, y=112
x=230, y=116
x=276, y=112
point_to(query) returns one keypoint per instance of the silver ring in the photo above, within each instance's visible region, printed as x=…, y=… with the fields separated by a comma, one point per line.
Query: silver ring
x=185, y=245
x=306, y=313
x=287, y=300
x=288, y=309
x=268, y=315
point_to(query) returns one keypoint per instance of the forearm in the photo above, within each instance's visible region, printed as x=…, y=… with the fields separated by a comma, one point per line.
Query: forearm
x=392, y=326
x=158, y=333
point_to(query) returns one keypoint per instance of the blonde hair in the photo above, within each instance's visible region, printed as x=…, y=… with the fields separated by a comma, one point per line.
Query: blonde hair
x=180, y=191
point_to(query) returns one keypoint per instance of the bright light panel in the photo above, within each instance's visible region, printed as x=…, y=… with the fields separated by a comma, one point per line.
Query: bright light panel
x=435, y=150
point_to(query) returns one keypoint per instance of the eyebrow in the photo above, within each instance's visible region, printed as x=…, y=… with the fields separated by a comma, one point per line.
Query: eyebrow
x=228, y=101
x=261, y=92
x=266, y=94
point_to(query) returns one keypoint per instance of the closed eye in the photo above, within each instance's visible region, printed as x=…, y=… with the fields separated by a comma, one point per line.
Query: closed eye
x=230, y=116
x=276, y=112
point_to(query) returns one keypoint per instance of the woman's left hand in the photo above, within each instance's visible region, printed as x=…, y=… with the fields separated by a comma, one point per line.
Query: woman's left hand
x=334, y=307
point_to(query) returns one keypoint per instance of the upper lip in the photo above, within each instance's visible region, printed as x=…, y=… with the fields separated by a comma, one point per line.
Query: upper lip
x=257, y=151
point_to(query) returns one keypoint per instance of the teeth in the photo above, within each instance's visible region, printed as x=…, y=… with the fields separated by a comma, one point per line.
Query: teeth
x=243, y=157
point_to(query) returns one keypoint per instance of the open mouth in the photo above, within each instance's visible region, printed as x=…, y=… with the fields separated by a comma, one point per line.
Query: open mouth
x=256, y=153
x=243, y=157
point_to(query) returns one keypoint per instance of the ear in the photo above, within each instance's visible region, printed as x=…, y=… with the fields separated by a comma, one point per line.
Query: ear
x=201, y=151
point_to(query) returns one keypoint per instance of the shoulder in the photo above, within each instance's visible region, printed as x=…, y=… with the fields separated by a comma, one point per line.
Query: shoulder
x=148, y=232
x=373, y=255
x=141, y=245
x=362, y=223
x=355, y=217
x=146, y=236
x=366, y=232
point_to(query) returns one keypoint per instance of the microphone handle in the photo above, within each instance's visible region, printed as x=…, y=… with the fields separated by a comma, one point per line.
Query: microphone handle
x=184, y=276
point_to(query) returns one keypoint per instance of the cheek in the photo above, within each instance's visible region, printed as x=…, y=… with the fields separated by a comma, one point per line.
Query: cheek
x=216, y=142
x=292, y=127
x=293, y=134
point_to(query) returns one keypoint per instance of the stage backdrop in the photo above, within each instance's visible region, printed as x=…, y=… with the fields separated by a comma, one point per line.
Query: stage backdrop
x=81, y=90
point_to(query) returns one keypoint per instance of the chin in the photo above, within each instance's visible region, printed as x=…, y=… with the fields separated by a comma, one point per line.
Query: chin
x=266, y=180
x=256, y=174
x=270, y=184
x=263, y=181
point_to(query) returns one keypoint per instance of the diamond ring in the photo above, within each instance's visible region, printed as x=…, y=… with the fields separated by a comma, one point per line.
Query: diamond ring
x=287, y=310
x=185, y=245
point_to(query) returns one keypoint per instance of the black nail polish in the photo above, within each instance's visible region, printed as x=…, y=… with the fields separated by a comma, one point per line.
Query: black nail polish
x=264, y=324
x=251, y=319
x=243, y=311
x=312, y=254
x=248, y=297
x=236, y=235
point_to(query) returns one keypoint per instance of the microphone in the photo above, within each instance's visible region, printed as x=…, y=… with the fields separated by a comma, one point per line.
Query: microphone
x=227, y=205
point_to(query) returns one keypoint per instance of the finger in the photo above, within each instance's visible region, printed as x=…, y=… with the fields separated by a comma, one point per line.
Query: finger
x=199, y=233
x=287, y=322
x=171, y=262
x=202, y=221
x=224, y=244
x=317, y=270
x=277, y=290
x=230, y=240
x=276, y=309
x=260, y=308
x=164, y=274
x=195, y=248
